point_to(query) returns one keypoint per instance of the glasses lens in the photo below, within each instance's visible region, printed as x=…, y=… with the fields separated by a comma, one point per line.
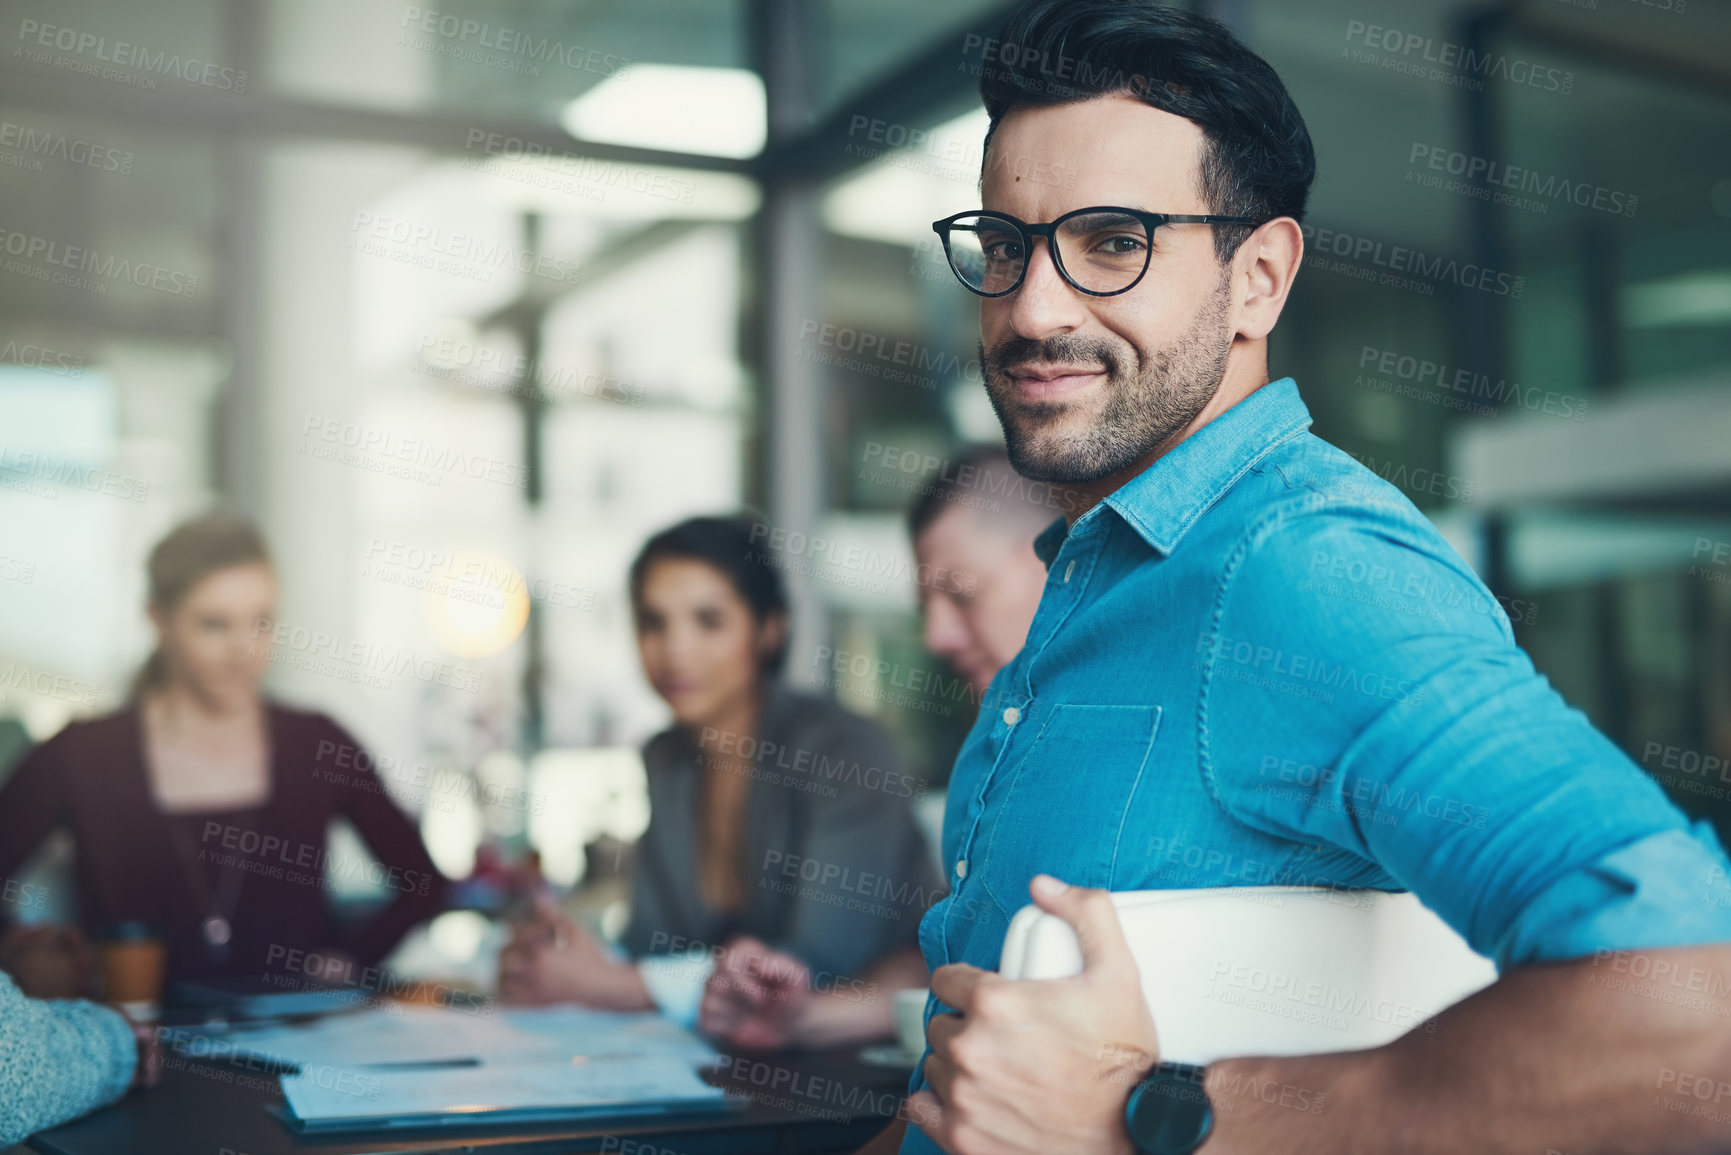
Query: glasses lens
x=986, y=252
x=1103, y=252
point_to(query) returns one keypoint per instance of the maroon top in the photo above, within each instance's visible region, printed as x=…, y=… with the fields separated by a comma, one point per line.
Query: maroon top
x=264, y=868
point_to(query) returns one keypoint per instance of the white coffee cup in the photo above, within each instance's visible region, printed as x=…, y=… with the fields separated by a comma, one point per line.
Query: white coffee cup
x=910, y=1017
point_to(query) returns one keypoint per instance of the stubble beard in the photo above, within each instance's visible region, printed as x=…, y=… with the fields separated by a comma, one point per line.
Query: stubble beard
x=1146, y=404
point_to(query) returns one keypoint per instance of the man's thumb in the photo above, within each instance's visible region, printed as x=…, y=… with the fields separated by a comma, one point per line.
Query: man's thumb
x=1092, y=916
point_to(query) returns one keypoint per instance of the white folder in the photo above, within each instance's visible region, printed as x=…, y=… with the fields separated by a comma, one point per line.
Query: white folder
x=1271, y=970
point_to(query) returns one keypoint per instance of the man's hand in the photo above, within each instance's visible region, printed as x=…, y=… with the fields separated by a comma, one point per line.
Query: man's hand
x=550, y=959
x=755, y=997
x=1043, y=1067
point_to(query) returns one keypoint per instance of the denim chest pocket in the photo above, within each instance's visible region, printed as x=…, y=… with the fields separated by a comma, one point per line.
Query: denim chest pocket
x=1063, y=811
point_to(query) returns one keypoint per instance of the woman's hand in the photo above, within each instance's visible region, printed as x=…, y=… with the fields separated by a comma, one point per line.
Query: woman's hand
x=50, y=962
x=756, y=997
x=550, y=959
x=761, y=999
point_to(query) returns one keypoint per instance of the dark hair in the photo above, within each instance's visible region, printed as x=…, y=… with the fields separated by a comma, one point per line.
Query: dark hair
x=730, y=546
x=982, y=478
x=191, y=552
x=1258, y=161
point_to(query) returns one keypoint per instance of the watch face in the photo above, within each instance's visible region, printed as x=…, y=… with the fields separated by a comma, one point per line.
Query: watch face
x=1170, y=1116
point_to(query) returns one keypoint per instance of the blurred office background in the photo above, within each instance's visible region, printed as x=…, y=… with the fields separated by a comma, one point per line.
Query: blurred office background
x=463, y=300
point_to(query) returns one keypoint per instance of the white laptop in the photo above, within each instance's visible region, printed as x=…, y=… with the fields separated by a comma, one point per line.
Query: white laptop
x=1271, y=970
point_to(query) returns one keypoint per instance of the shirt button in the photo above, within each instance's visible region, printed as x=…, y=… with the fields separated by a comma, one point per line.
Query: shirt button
x=961, y=868
x=1069, y=569
x=1012, y=716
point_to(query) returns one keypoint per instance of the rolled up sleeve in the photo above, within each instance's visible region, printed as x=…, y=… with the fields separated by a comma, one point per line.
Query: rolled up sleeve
x=1362, y=691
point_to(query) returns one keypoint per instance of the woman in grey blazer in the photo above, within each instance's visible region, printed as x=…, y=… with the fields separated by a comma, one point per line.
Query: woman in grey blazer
x=781, y=826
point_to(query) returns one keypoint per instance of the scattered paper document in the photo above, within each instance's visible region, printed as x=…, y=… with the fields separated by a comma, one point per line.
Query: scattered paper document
x=574, y=1031
x=395, y=1035
x=431, y=1035
x=327, y=1097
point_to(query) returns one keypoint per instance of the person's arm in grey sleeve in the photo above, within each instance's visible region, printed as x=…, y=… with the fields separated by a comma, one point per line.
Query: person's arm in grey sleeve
x=673, y=966
x=863, y=867
x=58, y=1060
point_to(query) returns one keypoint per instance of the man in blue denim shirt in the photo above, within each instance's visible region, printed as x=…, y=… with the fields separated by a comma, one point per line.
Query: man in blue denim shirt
x=1255, y=663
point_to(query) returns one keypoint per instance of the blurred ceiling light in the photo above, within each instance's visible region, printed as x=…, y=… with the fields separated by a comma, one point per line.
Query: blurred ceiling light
x=897, y=196
x=478, y=606
x=676, y=107
x=1701, y=298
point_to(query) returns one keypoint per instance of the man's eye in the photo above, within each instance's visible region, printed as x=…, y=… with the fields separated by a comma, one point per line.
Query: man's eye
x=1122, y=245
x=1003, y=251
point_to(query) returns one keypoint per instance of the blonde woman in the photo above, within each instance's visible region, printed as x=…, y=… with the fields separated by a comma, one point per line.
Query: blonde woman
x=201, y=808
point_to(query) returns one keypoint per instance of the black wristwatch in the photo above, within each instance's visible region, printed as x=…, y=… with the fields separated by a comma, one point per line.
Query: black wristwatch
x=1169, y=1112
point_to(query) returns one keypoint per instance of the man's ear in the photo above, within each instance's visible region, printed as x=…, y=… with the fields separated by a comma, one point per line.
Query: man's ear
x=1263, y=270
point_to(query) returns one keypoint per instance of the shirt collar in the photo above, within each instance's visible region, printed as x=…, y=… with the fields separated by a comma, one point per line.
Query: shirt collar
x=1046, y=545
x=1163, y=501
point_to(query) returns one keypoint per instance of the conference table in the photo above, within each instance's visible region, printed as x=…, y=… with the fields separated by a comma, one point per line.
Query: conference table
x=799, y=1102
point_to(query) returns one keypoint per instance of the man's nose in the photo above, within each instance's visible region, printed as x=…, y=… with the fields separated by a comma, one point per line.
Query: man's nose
x=1044, y=303
x=945, y=635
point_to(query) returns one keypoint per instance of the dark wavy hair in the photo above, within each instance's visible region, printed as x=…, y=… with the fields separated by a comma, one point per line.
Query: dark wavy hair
x=1258, y=161
x=730, y=546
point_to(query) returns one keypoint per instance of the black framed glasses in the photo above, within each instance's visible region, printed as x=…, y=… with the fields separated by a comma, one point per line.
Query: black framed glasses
x=1101, y=251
